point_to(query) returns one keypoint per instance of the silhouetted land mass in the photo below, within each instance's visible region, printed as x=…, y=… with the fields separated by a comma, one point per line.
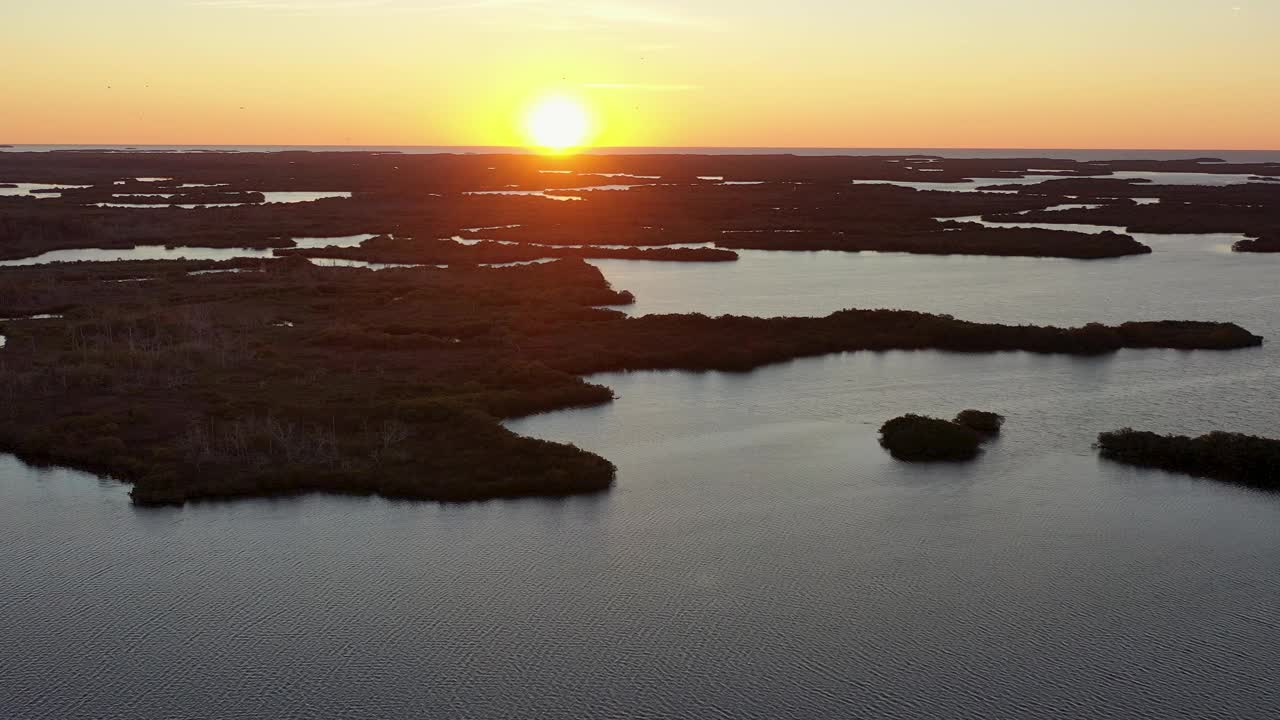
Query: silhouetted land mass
x=981, y=421
x=387, y=383
x=595, y=234
x=292, y=378
x=958, y=239
x=1250, y=209
x=917, y=438
x=1258, y=245
x=384, y=249
x=283, y=377
x=1229, y=457
x=151, y=196
x=7, y=185
x=423, y=196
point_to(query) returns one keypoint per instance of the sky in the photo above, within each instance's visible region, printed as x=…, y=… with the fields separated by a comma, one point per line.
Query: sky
x=1164, y=74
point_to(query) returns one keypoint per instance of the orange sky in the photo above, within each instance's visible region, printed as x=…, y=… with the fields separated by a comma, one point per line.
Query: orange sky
x=809, y=73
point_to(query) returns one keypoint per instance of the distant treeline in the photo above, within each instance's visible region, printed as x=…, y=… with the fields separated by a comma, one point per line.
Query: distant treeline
x=384, y=249
x=953, y=239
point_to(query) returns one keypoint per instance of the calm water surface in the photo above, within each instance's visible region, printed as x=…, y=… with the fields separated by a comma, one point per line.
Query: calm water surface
x=761, y=556
x=26, y=190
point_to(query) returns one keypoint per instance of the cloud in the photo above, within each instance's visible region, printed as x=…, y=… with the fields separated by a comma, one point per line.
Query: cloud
x=602, y=12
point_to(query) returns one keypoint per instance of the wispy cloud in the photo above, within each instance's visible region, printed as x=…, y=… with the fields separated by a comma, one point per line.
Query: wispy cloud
x=607, y=12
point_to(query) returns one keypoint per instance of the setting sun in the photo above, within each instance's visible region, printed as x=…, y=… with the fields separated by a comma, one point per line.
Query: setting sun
x=557, y=124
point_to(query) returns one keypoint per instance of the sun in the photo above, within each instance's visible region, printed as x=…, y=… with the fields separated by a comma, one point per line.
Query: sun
x=557, y=124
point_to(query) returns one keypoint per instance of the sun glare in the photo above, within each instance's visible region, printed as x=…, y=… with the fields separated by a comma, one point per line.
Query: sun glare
x=557, y=124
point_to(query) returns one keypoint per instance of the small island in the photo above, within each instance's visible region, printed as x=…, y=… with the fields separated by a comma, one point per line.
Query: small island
x=918, y=438
x=407, y=251
x=951, y=239
x=1229, y=457
x=603, y=233
x=1266, y=244
x=988, y=423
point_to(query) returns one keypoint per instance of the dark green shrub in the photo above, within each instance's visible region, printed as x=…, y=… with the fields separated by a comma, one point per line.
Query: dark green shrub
x=988, y=423
x=916, y=438
x=1231, y=457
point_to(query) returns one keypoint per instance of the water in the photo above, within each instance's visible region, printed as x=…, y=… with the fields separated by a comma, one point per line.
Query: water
x=184, y=206
x=162, y=252
x=970, y=185
x=344, y=262
x=324, y=242
x=1174, y=178
x=269, y=197
x=761, y=556
x=531, y=193
x=295, y=197
x=1154, y=178
x=25, y=190
x=1194, y=242
x=622, y=175
x=139, y=252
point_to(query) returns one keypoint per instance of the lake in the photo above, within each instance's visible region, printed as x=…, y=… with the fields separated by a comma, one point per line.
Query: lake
x=760, y=557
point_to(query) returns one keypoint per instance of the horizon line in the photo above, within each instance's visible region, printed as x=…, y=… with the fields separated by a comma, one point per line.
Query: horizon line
x=517, y=149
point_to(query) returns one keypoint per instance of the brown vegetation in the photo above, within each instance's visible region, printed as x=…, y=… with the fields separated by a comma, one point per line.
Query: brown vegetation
x=1230, y=457
x=298, y=378
x=956, y=239
x=980, y=420
x=290, y=378
x=384, y=249
x=1258, y=245
x=917, y=438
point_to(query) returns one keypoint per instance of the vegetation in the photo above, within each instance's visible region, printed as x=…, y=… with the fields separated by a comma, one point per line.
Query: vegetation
x=424, y=197
x=698, y=342
x=285, y=378
x=1230, y=457
x=295, y=378
x=1258, y=245
x=384, y=249
x=953, y=239
x=988, y=423
x=1250, y=208
x=917, y=438
x=603, y=233
x=385, y=383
